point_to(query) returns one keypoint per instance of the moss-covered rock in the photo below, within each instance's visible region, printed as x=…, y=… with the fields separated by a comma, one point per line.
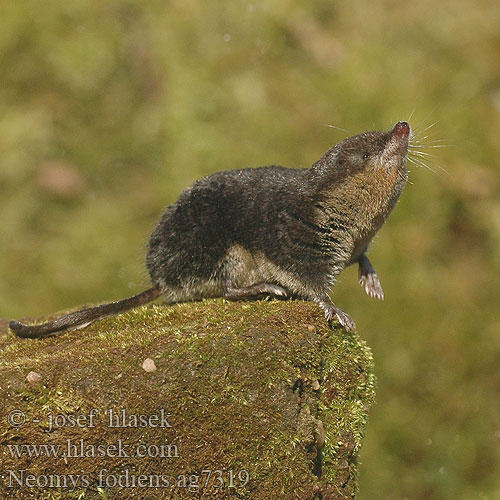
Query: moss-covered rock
x=264, y=395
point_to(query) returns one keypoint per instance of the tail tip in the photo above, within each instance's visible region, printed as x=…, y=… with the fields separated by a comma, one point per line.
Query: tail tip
x=20, y=329
x=13, y=325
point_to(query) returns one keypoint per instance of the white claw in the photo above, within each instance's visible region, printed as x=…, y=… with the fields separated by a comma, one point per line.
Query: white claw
x=372, y=286
x=346, y=321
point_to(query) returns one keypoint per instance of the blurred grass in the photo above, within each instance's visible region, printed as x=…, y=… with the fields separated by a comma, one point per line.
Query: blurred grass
x=110, y=109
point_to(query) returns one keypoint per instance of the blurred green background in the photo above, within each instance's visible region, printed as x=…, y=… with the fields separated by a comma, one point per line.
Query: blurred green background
x=110, y=109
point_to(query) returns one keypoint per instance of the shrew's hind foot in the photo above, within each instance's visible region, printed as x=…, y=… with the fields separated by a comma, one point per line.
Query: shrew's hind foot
x=254, y=291
x=332, y=311
x=368, y=277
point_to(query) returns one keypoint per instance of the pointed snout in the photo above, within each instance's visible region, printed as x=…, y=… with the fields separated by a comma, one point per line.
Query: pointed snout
x=400, y=137
x=401, y=129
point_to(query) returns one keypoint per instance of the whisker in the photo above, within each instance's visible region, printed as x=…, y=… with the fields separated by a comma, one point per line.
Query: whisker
x=422, y=153
x=422, y=165
x=437, y=145
x=333, y=126
x=422, y=144
x=430, y=126
x=421, y=140
x=424, y=139
x=428, y=115
x=419, y=161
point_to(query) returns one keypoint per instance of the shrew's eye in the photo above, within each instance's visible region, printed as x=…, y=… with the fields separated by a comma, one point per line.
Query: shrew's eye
x=365, y=156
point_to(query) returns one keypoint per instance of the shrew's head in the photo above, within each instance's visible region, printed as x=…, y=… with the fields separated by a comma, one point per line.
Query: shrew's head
x=369, y=152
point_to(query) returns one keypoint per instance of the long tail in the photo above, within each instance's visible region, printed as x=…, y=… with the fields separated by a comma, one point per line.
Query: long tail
x=84, y=316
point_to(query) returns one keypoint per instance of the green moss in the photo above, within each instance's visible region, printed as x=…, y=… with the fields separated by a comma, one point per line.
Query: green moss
x=249, y=387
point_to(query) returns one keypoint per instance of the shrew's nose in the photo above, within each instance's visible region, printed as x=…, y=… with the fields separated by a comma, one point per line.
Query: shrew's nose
x=402, y=129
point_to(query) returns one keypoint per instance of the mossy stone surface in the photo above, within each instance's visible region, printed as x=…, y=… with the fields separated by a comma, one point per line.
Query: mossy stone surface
x=264, y=391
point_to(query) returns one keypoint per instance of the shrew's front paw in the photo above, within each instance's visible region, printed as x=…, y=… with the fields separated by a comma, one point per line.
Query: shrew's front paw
x=372, y=285
x=332, y=311
x=345, y=320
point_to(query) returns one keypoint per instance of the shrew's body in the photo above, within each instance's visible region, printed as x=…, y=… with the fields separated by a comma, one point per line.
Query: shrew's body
x=271, y=230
